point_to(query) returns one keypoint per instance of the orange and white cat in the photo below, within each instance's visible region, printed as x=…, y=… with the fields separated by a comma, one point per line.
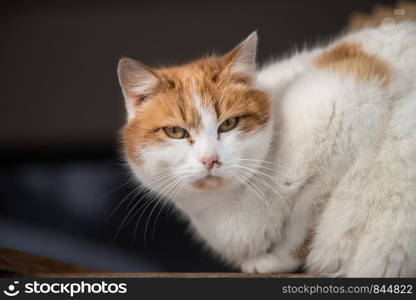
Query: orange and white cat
x=308, y=162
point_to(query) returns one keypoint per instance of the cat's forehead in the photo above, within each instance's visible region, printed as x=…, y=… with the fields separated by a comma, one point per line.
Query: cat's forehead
x=191, y=94
x=193, y=90
x=190, y=101
x=201, y=69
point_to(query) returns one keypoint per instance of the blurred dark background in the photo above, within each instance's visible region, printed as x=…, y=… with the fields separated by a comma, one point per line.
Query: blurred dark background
x=61, y=172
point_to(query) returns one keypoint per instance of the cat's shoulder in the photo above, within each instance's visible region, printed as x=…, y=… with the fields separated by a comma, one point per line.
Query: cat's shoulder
x=350, y=58
x=372, y=53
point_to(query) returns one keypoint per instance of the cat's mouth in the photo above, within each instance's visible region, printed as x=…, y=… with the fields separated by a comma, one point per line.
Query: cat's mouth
x=209, y=182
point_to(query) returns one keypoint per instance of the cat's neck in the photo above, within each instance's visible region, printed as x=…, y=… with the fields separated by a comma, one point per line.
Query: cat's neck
x=197, y=202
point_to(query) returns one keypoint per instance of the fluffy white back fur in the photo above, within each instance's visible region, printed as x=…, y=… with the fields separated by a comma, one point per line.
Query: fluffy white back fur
x=351, y=147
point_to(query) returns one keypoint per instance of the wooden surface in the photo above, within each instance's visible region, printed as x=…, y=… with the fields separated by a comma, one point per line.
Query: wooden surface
x=24, y=264
x=175, y=275
x=17, y=263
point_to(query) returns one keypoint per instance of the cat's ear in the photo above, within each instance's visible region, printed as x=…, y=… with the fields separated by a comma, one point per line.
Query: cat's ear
x=241, y=60
x=137, y=81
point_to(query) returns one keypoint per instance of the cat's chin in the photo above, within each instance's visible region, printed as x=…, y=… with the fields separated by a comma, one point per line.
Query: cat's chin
x=210, y=182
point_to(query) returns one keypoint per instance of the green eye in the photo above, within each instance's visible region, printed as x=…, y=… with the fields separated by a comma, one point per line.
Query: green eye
x=228, y=125
x=176, y=132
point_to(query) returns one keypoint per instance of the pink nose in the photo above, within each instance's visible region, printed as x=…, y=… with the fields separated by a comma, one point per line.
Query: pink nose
x=210, y=161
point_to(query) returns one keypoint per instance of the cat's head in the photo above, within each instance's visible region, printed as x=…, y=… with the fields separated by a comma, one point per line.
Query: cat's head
x=198, y=126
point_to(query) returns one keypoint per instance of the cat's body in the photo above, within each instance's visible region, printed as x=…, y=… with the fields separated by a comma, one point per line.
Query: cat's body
x=327, y=180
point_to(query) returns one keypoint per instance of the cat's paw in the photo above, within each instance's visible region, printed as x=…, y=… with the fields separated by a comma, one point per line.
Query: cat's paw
x=269, y=263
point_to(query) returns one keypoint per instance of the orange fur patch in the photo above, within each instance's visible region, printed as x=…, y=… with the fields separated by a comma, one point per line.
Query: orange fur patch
x=172, y=103
x=349, y=58
x=303, y=250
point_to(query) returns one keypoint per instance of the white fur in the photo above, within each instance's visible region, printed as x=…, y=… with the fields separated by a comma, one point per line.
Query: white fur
x=344, y=155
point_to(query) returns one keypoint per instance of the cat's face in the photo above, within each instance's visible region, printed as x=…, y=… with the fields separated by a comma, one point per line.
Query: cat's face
x=198, y=126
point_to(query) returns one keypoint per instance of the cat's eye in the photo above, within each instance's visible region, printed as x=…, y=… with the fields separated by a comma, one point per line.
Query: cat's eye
x=176, y=132
x=228, y=125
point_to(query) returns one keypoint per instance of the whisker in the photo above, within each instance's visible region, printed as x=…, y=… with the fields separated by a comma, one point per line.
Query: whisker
x=169, y=172
x=136, y=204
x=142, y=199
x=160, y=195
x=259, y=161
x=259, y=164
x=255, y=190
x=118, y=187
x=144, y=206
x=119, y=204
x=274, y=166
x=164, y=204
x=166, y=196
x=129, y=213
x=264, y=183
x=255, y=172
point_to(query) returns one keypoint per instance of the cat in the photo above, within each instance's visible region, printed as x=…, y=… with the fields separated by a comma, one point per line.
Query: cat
x=308, y=162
